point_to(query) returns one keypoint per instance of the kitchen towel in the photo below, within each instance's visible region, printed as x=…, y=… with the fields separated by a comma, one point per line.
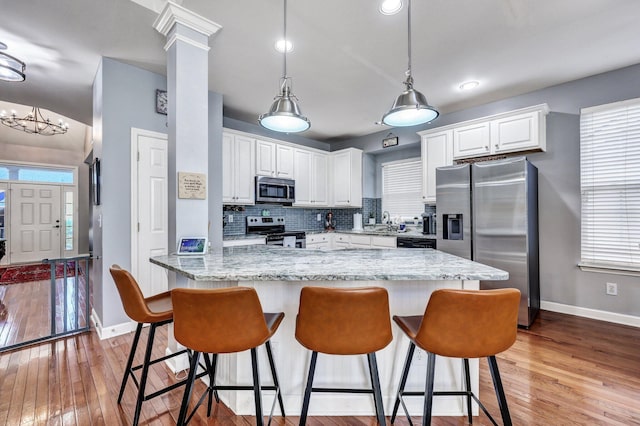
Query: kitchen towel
x=289, y=241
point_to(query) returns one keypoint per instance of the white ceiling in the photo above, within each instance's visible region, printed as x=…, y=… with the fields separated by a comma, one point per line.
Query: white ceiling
x=348, y=62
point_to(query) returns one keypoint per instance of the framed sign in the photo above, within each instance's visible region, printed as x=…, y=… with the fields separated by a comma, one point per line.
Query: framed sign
x=192, y=185
x=389, y=141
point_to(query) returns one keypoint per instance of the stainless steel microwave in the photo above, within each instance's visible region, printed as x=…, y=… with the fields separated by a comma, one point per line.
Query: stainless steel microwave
x=275, y=190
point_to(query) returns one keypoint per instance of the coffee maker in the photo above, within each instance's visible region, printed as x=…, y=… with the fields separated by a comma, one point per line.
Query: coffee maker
x=428, y=223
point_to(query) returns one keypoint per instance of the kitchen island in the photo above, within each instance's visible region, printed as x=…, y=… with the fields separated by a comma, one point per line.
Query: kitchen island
x=278, y=274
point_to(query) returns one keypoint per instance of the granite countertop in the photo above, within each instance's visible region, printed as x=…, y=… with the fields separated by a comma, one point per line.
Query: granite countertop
x=273, y=263
x=243, y=237
x=380, y=230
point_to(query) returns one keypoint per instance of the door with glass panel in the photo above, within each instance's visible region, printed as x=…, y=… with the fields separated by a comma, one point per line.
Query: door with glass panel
x=35, y=222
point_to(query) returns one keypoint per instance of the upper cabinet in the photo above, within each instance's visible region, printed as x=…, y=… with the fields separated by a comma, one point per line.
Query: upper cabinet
x=473, y=140
x=323, y=179
x=237, y=169
x=514, y=131
x=312, y=178
x=274, y=159
x=347, y=178
x=437, y=151
x=520, y=130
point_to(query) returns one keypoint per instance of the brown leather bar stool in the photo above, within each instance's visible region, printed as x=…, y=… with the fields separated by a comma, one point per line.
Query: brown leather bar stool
x=155, y=311
x=344, y=321
x=461, y=324
x=221, y=321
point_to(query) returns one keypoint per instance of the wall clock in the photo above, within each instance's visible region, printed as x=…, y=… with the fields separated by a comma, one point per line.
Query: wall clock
x=161, y=101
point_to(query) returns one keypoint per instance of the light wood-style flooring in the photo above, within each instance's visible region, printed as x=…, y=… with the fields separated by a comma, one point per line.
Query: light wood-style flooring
x=565, y=370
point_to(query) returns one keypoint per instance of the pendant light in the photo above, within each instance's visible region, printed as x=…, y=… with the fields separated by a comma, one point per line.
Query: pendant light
x=411, y=107
x=11, y=69
x=284, y=114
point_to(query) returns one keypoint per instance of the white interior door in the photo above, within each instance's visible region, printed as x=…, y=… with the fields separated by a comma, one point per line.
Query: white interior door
x=151, y=204
x=34, y=222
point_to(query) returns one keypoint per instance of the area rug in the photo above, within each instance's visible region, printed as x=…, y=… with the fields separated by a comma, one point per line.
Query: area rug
x=36, y=272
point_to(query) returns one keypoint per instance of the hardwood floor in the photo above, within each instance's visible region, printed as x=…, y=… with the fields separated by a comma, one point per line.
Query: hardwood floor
x=565, y=370
x=29, y=309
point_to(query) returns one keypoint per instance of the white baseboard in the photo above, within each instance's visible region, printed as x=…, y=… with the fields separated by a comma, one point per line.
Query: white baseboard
x=111, y=331
x=591, y=313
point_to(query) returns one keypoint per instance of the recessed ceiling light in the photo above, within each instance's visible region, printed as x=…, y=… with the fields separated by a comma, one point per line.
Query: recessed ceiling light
x=390, y=7
x=280, y=44
x=469, y=85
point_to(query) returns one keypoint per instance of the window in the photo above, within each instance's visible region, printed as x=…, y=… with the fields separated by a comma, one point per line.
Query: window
x=610, y=186
x=402, y=188
x=31, y=173
x=68, y=220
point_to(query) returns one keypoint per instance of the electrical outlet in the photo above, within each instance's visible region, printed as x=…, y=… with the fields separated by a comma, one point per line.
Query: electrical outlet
x=612, y=289
x=230, y=218
x=319, y=217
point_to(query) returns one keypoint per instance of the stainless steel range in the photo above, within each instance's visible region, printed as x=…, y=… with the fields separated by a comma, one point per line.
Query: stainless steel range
x=274, y=229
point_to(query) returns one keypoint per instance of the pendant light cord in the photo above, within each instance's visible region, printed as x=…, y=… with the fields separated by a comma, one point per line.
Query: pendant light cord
x=408, y=36
x=284, y=73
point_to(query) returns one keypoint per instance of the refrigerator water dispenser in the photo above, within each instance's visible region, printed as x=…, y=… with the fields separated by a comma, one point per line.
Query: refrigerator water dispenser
x=453, y=227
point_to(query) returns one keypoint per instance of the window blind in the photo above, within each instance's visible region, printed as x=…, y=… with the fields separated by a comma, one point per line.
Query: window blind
x=610, y=185
x=402, y=188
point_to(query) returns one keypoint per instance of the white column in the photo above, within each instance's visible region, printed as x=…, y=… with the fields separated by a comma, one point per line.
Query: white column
x=187, y=92
x=187, y=89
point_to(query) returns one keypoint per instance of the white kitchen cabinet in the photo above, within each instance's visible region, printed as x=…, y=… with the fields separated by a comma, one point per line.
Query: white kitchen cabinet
x=473, y=140
x=237, y=169
x=383, y=242
x=312, y=178
x=360, y=241
x=514, y=131
x=519, y=132
x=437, y=151
x=314, y=241
x=265, y=158
x=341, y=241
x=274, y=159
x=347, y=178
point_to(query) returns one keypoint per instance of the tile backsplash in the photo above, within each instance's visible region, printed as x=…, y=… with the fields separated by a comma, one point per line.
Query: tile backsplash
x=303, y=219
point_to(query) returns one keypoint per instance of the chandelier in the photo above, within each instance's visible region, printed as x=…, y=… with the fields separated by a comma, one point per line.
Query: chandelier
x=34, y=123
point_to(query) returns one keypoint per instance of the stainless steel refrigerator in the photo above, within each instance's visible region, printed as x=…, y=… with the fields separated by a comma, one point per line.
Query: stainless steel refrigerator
x=488, y=212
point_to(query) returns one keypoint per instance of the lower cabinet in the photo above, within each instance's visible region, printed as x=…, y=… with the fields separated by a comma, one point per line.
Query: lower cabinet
x=342, y=241
x=315, y=241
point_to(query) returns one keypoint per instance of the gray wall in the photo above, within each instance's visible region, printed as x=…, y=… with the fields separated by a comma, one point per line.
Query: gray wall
x=559, y=187
x=215, y=169
x=124, y=97
x=256, y=129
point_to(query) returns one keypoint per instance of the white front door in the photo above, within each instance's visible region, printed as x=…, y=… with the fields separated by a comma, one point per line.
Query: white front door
x=35, y=222
x=151, y=203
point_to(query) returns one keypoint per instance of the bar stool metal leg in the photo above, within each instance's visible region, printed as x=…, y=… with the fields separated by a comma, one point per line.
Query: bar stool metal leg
x=307, y=391
x=467, y=381
x=256, y=387
x=145, y=372
x=497, y=385
x=428, y=389
x=182, y=418
x=377, y=391
x=403, y=381
x=132, y=354
x=274, y=375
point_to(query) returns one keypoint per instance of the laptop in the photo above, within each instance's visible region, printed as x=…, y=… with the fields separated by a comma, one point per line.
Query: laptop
x=192, y=246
